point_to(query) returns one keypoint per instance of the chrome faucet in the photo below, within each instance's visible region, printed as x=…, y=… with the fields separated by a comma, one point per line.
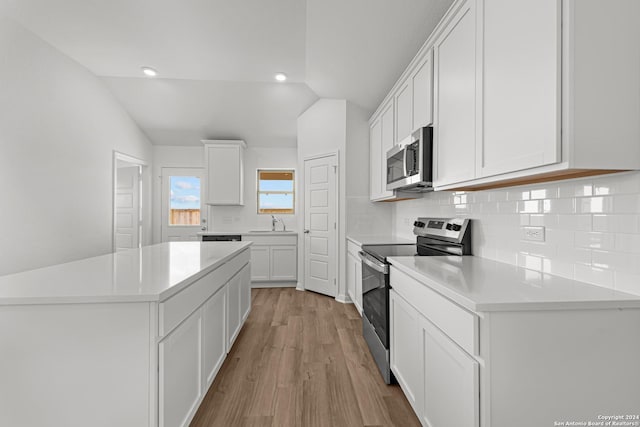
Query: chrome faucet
x=274, y=220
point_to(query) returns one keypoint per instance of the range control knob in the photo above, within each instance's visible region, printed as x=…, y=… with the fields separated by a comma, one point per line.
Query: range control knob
x=456, y=227
x=418, y=224
x=449, y=226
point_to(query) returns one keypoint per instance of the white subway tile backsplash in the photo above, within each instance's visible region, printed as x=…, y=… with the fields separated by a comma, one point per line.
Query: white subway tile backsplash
x=575, y=222
x=594, y=240
x=626, y=203
x=529, y=206
x=628, y=243
x=544, y=193
x=594, y=205
x=575, y=189
x=559, y=206
x=616, y=223
x=592, y=226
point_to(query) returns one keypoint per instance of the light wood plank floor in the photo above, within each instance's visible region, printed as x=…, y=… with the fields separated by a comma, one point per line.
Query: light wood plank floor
x=300, y=360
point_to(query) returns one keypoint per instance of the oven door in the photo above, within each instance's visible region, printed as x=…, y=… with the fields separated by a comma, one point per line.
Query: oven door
x=375, y=295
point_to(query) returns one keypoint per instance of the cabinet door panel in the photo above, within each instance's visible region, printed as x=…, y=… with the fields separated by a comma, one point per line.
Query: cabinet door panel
x=450, y=377
x=422, y=81
x=245, y=291
x=180, y=379
x=358, y=300
x=214, y=319
x=284, y=263
x=455, y=128
x=404, y=114
x=351, y=276
x=521, y=85
x=233, y=310
x=260, y=263
x=388, y=141
x=375, y=160
x=224, y=168
x=405, y=353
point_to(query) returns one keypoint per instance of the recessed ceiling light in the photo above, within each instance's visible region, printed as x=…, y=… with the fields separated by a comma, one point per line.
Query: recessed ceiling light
x=281, y=77
x=149, y=72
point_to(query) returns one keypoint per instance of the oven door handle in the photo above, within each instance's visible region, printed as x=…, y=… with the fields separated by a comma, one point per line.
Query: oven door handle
x=376, y=265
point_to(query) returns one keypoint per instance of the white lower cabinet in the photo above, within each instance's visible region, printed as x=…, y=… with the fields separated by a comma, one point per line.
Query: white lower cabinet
x=180, y=372
x=283, y=262
x=406, y=358
x=438, y=377
x=233, y=309
x=245, y=292
x=354, y=275
x=260, y=262
x=274, y=258
x=450, y=379
x=196, y=336
x=214, y=324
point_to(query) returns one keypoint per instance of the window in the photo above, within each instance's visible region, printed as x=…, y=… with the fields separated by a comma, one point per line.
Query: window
x=184, y=199
x=276, y=191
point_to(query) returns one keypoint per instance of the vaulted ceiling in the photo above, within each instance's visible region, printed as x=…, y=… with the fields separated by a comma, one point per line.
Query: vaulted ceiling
x=216, y=59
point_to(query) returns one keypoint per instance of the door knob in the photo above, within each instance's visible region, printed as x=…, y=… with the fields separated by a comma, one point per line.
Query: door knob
x=306, y=231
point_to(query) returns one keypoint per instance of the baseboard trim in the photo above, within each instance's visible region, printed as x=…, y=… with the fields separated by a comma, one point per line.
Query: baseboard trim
x=299, y=287
x=273, y=284
x=344, y=299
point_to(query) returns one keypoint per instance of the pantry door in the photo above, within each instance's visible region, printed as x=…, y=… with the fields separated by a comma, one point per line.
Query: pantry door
x=183, y=212
x=320, y=224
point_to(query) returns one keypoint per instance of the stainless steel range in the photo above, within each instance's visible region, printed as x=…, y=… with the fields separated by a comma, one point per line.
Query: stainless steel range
x=435, y=237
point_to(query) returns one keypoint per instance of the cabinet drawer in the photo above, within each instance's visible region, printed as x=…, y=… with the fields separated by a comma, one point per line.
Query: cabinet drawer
x=353, y=249
x=181, y=305
x=271, y=240
x=456, y=322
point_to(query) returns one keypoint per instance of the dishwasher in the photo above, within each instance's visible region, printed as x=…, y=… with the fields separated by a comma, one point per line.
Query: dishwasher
x=222, y=238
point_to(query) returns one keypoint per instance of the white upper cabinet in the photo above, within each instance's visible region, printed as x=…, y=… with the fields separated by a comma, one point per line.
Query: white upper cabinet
x=225, y=173
x=455, y=98
x=525, y=89
x=404, y=114
x=375, y=159
x=382, y=139
x=422, y=88
x=521, y=85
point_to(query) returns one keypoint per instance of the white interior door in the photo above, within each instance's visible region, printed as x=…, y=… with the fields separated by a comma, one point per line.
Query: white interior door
x=320, y=200
x=183, y=212
x=128, y=219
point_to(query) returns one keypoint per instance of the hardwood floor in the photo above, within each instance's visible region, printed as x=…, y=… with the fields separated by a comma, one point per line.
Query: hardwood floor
x=300, y=360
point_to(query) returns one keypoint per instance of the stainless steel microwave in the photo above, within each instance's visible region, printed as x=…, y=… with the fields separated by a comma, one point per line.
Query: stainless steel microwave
x=410, y=164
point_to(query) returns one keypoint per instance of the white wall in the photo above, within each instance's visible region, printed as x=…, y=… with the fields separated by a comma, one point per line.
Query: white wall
x=223, y=218
x=227, y=218
x=362, y=215
x=592, y=226
x=332, y=125
x=59, y=126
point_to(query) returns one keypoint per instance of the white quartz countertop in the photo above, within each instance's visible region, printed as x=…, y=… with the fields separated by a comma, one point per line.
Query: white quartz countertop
x=152, y=273
x=264, y=232
x=479, y=284
x=379, y=239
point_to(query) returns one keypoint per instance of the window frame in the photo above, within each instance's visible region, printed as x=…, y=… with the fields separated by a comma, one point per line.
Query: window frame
x=292, y=192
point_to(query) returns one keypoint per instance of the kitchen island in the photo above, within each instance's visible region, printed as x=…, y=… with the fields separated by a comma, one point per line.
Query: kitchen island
x=133, y=338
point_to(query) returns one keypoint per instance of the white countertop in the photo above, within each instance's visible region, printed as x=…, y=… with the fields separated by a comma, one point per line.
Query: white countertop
x=248, y=233
x=152, y=273
x=379, y=239
x=479, y=284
